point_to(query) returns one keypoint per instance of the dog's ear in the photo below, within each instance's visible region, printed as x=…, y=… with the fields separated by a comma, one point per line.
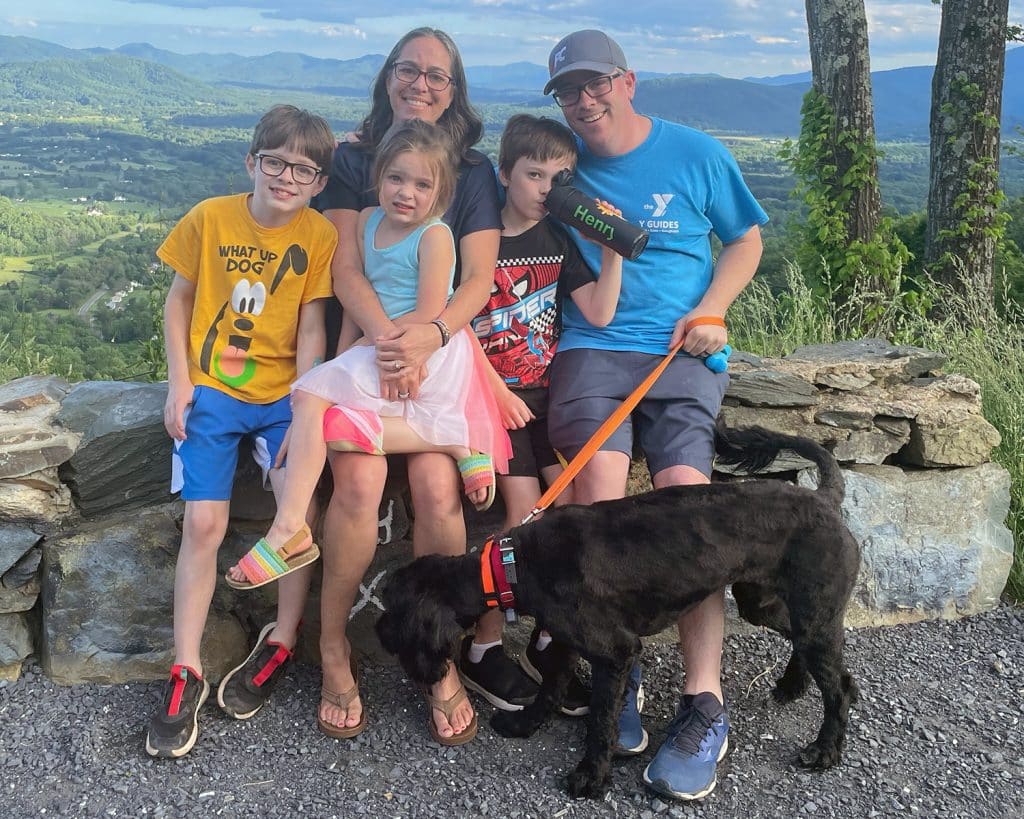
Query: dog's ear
x=429, y=634
x=395, y=596
x=389, y=632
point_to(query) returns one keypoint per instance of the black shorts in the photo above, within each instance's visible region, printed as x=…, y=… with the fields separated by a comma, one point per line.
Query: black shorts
x=531, y=449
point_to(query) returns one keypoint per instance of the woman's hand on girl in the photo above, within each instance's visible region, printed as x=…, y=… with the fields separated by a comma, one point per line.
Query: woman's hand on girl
x=410, y=346
x=400, y=373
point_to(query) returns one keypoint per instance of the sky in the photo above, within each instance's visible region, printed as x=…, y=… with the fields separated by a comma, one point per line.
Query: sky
x=734, y=38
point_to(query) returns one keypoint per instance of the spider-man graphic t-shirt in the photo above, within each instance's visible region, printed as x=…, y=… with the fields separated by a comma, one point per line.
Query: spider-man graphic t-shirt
x=518, y=327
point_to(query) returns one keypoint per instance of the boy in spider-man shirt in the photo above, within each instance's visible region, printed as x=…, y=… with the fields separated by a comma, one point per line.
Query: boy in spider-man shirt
x=538, y=266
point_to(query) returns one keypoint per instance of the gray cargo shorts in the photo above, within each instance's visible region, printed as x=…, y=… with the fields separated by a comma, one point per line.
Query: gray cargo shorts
x=673, y=424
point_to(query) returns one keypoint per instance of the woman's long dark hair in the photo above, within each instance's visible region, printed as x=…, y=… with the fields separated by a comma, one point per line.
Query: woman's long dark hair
x=461, y=122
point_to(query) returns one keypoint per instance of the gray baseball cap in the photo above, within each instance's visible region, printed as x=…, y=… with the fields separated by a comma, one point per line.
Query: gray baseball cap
x=587, y=50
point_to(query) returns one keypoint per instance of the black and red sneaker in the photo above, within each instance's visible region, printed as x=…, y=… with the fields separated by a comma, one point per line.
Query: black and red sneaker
x=174, y=728
x=246, y=688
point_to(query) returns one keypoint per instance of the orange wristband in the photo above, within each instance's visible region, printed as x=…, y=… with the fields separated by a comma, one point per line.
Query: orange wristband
x=716, y=321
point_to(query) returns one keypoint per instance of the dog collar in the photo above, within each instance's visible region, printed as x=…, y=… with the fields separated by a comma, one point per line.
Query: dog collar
x=498, y=573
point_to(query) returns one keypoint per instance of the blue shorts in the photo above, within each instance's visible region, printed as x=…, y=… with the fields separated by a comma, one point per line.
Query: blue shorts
x=674, y=424
x=203, y=465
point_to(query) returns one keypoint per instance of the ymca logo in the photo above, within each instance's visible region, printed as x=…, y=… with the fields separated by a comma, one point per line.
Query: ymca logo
x=559, y=56
x=661, y=201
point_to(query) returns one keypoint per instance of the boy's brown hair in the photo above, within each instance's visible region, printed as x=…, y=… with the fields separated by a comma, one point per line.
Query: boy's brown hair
x=538, y=138
x=285, y=126
x=430, y=140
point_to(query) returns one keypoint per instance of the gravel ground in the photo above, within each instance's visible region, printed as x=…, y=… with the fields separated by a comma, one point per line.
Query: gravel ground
x=938, y=732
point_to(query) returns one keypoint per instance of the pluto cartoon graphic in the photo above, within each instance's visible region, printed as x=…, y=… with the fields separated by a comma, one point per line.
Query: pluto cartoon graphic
x=225, y=354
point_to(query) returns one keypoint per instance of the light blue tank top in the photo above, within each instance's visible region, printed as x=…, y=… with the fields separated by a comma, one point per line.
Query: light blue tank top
x=394, y=271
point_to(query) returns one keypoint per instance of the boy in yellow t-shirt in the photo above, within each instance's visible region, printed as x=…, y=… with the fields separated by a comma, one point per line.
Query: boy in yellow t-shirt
x=244, y=317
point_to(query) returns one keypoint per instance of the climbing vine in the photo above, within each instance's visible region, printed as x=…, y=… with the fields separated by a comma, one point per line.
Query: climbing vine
x=976, y=211
x=835, y=265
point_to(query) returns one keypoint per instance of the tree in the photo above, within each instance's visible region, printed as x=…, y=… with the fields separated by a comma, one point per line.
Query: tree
x=845, y=245
x=964, y=218
x=841, y=73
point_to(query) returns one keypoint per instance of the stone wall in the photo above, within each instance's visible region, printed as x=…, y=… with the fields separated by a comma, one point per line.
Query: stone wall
x=89, y=533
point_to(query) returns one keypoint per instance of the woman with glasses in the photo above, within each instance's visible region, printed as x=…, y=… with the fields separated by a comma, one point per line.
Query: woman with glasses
x=423, y=78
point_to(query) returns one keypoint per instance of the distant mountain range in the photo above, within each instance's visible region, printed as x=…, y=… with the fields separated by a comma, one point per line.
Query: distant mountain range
x=757, y=105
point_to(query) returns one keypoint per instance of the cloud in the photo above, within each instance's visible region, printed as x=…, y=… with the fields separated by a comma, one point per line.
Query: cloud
x=731, y=37
x=21, y=22
x=345, y=32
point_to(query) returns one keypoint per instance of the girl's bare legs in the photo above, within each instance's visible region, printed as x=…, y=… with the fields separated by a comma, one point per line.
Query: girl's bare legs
x=399, y=437
x=293, y=589
x=306, y=455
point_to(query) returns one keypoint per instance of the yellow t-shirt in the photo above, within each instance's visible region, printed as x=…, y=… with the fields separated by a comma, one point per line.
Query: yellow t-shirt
x=250, y=283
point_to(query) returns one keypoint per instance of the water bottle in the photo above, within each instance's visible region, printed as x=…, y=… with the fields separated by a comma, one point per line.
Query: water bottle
x=594, y=219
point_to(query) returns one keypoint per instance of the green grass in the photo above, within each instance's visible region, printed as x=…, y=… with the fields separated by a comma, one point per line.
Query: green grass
x=12, y=268
x=980, y=342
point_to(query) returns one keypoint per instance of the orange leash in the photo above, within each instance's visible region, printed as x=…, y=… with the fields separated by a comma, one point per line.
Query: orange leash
x=601, y=435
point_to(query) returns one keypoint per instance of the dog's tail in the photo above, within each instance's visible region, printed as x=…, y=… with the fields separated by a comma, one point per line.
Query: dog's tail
x=752, y=449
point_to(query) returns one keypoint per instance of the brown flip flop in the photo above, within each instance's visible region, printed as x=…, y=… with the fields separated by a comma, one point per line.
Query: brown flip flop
x=447, y=707
x=342, y=700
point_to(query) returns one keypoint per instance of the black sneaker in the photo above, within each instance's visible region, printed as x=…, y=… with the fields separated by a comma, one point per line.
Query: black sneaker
x=536, y=664
x=173, y=730
x=246, y=688
x=496, y=678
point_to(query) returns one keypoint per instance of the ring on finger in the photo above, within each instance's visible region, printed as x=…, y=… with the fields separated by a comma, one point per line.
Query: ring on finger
x=403, y=395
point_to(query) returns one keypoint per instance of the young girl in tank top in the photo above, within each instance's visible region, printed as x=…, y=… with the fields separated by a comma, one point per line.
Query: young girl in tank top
x=409, y=258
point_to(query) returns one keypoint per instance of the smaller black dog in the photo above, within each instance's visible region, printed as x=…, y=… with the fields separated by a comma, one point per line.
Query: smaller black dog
x=600, y=577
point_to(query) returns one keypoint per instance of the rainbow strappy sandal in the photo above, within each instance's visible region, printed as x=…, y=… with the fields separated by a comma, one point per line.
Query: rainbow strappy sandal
x=263, y=564
x=477, y=472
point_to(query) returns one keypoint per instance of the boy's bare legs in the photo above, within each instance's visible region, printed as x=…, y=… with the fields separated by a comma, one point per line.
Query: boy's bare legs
x=195, y=576
x=349, y=543
x=520, y=494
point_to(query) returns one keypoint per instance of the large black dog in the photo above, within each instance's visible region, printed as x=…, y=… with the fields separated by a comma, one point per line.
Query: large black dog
x=600, y=577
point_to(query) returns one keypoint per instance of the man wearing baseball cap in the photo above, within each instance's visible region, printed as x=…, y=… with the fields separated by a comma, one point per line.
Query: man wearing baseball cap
x=680, y=185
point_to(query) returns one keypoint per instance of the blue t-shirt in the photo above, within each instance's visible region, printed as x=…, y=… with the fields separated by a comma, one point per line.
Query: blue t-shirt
x=394, y=271
x=680, y=185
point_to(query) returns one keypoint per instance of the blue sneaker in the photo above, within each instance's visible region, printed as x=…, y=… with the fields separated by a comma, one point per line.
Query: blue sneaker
x=632, y=736
x=684, y=767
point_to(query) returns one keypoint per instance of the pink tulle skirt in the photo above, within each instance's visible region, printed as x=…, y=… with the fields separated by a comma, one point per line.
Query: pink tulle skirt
x=455, y=405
